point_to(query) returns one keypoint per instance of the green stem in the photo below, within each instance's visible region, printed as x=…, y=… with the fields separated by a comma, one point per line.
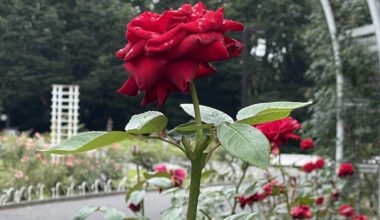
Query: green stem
x=197, y=112
x=245, y=168
x=283, y=179
x=138, y=181
x=197, y=162
x=195, y=183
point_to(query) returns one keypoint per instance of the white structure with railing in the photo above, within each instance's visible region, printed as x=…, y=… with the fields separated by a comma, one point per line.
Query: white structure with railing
x=64, y=112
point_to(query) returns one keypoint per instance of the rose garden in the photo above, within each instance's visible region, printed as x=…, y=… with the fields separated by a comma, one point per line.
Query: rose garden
x=190, y=110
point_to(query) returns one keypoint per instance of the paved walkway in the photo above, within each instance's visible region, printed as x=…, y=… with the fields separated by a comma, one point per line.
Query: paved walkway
x=66, y=210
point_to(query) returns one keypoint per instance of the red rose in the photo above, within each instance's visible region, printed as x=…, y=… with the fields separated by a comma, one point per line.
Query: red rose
x=178, y=176
x=269, y=187
x=345, y=169
x=301, y=212
x=243, y=201
x=279, y=132
x=335, y=196
x=346, y=210
x=320, y=163
x=309, y=167
x=307, y=144
x=160, y=168
x=165, y=52
x=319, y=200
x=134, y=208
x=359, y=217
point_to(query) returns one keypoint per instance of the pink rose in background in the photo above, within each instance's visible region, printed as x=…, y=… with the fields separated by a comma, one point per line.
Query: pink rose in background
x=160, y=168
x=307, y=144
x=24, y=159
x=280, y=132
x=117, y=167
x=38, y=156
x=178, y=175
x=346, y=210
x=301, y=212
x=360, y=217
x=268, y=187
x=19, y=174
x=70, y=160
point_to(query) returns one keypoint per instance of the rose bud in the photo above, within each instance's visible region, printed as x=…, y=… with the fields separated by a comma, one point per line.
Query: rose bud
x=307, y=144
x=345, y=169
x=346, y=210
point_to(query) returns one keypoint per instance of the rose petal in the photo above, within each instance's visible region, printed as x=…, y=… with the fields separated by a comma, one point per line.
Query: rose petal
x=149, y=96
x=181, y=72
x=146, y=71
x=136, y=49
x=234, y=47
x=169, y=20
x=192, y=42
x=171, y=41
x=129, y=88
x=214, y=52
x=122, y=52
x=204, y=69
x=229, y=25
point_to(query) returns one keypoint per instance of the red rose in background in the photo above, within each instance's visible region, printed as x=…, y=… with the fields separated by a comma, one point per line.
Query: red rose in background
x=243, y=201
x=309, y=167
x=177, y=175
x=319, y=200
x=359, y=217
x=279, y=132
x=165, y=52
x=301, y=212
x=335, y=196
x=268, y=187
x=134, y=208
x=307, y=144
x=345, y=169
x=320, y=163
x=346, y=210
x=160, y=168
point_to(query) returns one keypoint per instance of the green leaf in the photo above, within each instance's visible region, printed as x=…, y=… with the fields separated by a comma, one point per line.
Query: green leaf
x=88, y=141
x=172, y=213
x=242, y=216
x=208, y=115
x=160, y=182
x=149, y=175
x=207, y=173
x=251, y=190
x=136, y=197
x=108, y=213
x=147, y=122
x=136, y=187
x=304, y=201
x=266, y=112
x=246, y=143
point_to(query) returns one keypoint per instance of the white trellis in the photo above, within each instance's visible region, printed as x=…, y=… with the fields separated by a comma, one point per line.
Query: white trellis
x=64, y=112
